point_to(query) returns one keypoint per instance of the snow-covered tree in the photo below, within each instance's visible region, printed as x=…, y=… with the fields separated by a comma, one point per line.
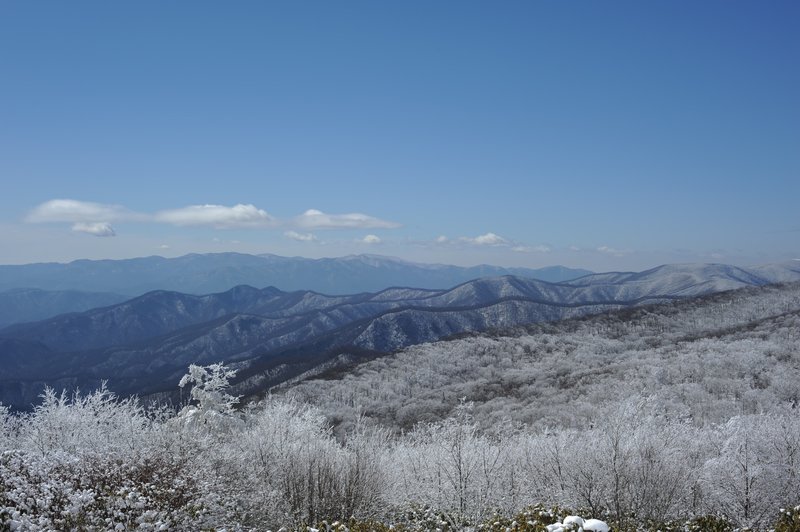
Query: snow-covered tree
x=212, y=407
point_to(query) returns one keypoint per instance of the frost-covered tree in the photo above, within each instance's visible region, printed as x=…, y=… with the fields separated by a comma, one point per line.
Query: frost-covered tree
x=754, y=469
x=211, y=407
x=453, y=467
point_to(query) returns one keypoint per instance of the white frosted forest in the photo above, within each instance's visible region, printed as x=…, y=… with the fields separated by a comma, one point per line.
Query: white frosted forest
x=674, y=417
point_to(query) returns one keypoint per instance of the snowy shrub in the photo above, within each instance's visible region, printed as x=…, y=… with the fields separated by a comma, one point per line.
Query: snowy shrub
x=452, y=467
x=532, y=519
x=65, y=494
x=98, y=462
x=212, y=408
x=6, y=421
x=284, y=467
x=710, y=523
x=747, y=479
x=789, y=520
x=79, y=424
x=94, y=462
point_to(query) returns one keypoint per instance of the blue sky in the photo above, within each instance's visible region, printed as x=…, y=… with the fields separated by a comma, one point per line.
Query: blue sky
x=604, y=135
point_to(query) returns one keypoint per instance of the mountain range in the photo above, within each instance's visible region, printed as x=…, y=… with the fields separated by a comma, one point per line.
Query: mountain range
x=33, y=292
x=143, y=345
x=33, y=304
x=217, y=272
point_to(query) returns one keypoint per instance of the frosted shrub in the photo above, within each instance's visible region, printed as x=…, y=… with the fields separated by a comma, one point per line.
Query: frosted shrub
x=85, y=424
x=755, y=471
x=97, y=462
x=212, y=407
x=67, y=493
x=452, y=467
x=284, y=467
x=7, y=422
x=789, y=520
x=282, y=460
x=94, y=462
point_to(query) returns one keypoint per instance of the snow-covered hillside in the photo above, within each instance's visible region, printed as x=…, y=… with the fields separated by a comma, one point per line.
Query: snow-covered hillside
x=707, y=359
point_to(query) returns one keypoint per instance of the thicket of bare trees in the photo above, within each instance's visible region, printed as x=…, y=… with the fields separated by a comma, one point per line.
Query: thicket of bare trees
x=97, y=462
x=706, y=360
x=664, y=415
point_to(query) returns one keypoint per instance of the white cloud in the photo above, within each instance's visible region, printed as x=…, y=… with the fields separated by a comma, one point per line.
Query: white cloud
x=574, y=248
x=489, y=239
x=300, y=237
x=67, y=210
x=163, y=246
x=94, y=228
x=314, y=219
x=219, y=216
x=371, y=239
x=612, y=251
x=532, y=249
x=441, y=239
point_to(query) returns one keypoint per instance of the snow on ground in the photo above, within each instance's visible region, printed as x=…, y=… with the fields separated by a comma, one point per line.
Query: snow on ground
x=574, y=523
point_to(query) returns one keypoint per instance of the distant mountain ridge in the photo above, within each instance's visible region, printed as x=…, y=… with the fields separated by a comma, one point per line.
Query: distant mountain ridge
x=217, y=272
x=143, y=345
x=21, y=305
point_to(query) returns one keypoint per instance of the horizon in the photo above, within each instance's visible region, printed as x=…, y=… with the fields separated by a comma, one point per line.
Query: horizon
x=398, y=259
x=615, y=137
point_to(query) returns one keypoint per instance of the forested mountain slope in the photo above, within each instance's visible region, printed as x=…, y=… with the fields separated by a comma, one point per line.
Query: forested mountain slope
x=707, y=359
x=143, y=345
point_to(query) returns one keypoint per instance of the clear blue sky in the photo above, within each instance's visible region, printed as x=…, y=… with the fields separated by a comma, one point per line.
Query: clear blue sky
x=605, y=135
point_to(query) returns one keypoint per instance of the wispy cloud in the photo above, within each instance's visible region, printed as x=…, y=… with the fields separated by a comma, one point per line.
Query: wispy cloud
x=218, y=216
x=95, y=218
x=300, y=237
x=488, y=239
x=67, y=210
x=371, y=239
x=607, y=250
x=532, y=249
x=314, y=219
x=492, y=240
x=94, y=228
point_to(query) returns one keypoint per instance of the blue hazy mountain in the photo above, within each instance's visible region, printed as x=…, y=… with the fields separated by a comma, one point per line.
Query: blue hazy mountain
x=217, y=272
x=33, y=304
